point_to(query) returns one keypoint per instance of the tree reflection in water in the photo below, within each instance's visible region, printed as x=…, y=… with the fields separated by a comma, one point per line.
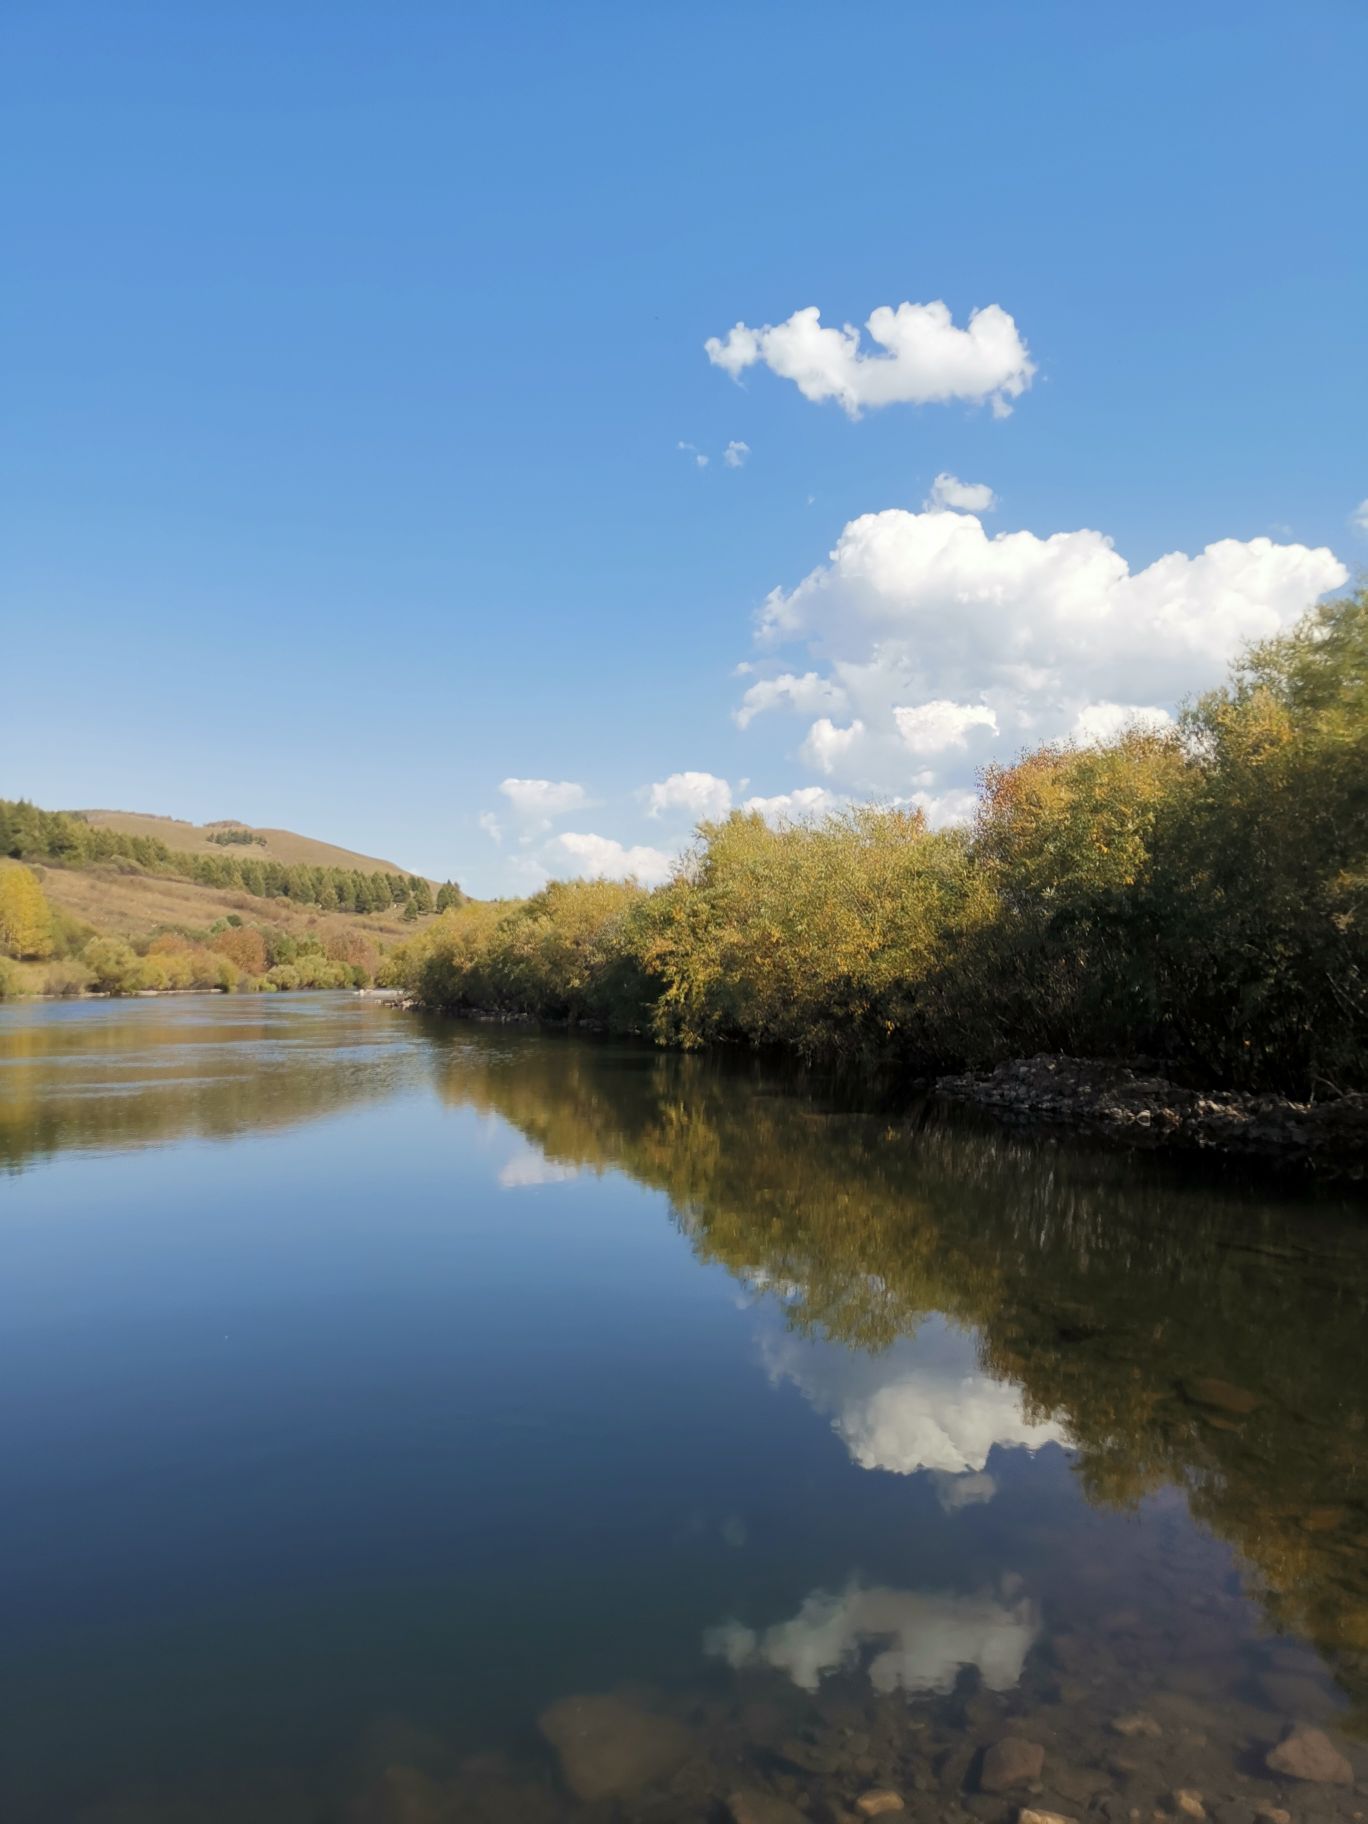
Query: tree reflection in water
x=1173, y=1323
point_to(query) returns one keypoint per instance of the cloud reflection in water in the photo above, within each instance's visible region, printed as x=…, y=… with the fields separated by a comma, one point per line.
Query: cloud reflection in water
x=923, y=1638
x=922, y=1405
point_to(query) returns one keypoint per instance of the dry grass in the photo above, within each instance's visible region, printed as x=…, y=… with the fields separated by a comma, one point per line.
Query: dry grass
x=283, y=846
x=133, y=905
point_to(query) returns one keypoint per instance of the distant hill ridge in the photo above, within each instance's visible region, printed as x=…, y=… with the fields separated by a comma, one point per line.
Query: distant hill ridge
x=284, y=846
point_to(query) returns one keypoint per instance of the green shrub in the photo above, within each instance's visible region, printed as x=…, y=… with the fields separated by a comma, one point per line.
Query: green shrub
x=68, y=976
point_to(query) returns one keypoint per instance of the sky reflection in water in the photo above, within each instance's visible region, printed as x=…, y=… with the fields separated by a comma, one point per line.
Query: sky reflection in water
x=355, y=1367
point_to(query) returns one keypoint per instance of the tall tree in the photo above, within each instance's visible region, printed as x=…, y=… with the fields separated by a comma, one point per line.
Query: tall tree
x=25, y=917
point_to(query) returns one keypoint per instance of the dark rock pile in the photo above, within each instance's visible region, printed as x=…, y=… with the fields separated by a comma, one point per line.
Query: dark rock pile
x=1129, y=1103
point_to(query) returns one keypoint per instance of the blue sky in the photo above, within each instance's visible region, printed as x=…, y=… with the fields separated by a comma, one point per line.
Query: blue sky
x=350, y=350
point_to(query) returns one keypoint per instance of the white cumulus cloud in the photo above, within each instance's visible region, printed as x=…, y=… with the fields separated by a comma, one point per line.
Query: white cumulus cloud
x=950, y=494
x=1359, y=518
x=491, y=826
x=699, y=794
x=926, y=358
x=735, y=454
x=807, y=693
x=1101, y=722
x=692, y=449
x=946, y=646
x=929, y=728
x=604, y=858
x=791, y=807
x=826, y=744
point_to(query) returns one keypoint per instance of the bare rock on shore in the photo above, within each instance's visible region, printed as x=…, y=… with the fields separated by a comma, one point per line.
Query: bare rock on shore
x=1305, y=1753
x=608, y=1746
x=1013, y=1761
x=1111, y=1098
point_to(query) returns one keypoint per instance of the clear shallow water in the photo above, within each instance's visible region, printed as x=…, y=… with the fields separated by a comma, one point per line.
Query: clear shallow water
x=370, y=1389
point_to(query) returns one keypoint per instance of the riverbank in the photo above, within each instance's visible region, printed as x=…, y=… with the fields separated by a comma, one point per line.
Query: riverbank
x=1147, y=1109
x=1124, y=1103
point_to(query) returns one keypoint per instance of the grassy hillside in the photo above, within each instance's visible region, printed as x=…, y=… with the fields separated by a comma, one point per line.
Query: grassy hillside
x=139, y=905
x=277, y=845
x=123, y=903
x=100, y=926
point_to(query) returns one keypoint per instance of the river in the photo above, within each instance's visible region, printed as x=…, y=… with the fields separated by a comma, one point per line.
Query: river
x=405, y=1420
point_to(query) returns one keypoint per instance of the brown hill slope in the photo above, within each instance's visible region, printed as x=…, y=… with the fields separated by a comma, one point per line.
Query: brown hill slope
x=283, y=846
x=135, y=905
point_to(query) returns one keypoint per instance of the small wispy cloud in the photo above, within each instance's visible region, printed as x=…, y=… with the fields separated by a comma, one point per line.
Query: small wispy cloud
x=733, y=457
x=949, y=493
x=544, y=797
x=535, y=803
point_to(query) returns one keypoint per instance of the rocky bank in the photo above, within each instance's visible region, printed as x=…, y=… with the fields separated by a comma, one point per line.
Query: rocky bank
x=1135, y=1105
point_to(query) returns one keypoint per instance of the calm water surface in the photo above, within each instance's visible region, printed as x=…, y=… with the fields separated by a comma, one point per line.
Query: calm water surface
x=404, y=1422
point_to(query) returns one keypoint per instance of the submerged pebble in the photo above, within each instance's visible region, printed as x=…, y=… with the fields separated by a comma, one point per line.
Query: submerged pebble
x=1305, y=1753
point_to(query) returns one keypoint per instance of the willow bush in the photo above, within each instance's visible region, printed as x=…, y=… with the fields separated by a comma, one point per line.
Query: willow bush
x=1197, y=895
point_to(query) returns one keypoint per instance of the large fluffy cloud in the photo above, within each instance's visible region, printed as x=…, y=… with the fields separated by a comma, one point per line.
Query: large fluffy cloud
x=926, y=357
x=603, y=858
x=923, y=1639
x=942, y=646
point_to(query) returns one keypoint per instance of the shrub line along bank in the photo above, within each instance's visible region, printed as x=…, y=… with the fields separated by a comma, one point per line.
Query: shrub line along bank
x=1197, y=896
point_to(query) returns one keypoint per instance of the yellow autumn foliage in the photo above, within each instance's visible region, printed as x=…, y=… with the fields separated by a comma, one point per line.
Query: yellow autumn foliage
x=25, y=916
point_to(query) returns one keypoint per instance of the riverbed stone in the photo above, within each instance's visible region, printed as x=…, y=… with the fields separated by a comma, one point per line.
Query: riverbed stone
x=402, y=1795
x=1076, y=1784
x=877, y=1801
x=808, y=1756
x=1027, y=1815
x=750, y=1805
x=1135, y=1723
x=1187, y=1803
x=1305, y=1753
x=1013, y=1761
x=1224, y=1396
x=608, y=1746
